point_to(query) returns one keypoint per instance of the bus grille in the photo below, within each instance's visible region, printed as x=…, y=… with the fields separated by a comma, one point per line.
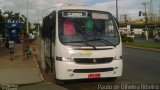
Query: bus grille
x=92, y=70
x=93, y=60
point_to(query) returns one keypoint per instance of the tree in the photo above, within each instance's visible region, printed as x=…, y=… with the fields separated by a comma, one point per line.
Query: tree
x=1, y=23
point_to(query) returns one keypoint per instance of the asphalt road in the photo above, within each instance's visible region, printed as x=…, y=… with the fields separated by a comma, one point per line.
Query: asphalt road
x=140, y=67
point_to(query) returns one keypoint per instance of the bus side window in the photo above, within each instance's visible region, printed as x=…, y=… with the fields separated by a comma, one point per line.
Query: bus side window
x=44, y=27
x=52, y=26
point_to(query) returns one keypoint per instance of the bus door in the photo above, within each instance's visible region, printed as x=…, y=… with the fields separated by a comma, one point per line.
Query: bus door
x=50, y=41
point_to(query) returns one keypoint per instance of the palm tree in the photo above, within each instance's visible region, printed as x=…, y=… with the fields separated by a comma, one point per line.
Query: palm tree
x=2, y=22
x=16, y=16
x=10, y=13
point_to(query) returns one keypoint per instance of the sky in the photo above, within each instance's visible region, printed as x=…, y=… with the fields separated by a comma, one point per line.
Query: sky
x=36, y=7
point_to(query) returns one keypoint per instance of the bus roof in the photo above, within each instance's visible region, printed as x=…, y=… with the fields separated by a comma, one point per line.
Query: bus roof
x=74, y=7
x=79, y=7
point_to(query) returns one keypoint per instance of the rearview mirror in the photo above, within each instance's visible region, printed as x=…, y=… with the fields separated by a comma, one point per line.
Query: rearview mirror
x=116, y=21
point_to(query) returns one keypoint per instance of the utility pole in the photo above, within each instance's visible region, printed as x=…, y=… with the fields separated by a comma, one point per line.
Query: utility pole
x=151, y=10
x=126, y=19
x=38, y=23
x=159, y=11
x=155, y=20
x=117, y=9
x=146, y=23
x=27, y=18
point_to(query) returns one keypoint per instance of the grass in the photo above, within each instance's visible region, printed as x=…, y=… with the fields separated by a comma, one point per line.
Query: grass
x=141, y=44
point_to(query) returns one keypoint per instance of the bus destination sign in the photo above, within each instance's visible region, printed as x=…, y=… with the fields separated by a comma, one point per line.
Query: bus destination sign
x=74, y=14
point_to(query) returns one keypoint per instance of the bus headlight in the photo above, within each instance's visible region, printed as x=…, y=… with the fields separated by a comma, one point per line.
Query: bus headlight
x=64, y=59
x=67, y=59
x=117, y=57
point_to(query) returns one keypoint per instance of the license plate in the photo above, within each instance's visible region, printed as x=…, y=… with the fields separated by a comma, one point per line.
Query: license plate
x=93, y=76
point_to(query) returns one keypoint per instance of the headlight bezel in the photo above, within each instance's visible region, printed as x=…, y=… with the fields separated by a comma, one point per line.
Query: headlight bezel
x=65, y=59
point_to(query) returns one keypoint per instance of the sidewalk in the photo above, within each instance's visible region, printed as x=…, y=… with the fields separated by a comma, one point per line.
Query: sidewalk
x=25, y=73
x=18, y=71
x=49, y=83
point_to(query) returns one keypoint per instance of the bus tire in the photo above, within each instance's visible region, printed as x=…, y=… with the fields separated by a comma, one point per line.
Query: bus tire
x=59, y=82
x=112, y=79
x=46, y=68
x=54, y=73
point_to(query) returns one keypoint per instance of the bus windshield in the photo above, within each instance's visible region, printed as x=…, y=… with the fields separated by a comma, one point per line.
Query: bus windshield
x=87, y=28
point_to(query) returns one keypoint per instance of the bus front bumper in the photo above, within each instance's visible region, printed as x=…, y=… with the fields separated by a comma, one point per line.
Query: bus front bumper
x=71, y=70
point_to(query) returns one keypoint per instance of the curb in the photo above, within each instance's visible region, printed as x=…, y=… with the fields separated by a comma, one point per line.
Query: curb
x=37, y=65
x=142, y=48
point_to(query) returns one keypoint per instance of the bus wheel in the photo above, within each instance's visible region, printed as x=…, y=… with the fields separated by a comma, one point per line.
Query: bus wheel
x=54, y=73
x=46, y=68
x=59, y=82
x=112, y=79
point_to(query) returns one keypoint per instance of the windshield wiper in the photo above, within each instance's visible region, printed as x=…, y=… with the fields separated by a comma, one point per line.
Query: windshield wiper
x=105, y=41
x=85, y=42
x=88, y=44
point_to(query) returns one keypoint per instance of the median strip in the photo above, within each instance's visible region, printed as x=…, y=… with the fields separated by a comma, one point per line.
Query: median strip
x=143, y=48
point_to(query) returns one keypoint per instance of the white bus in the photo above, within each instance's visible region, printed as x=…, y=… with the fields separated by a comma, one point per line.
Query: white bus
x=81, y=42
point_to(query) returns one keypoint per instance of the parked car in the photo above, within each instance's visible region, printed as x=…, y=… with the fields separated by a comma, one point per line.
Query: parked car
x=157, y=38
x=131, y=35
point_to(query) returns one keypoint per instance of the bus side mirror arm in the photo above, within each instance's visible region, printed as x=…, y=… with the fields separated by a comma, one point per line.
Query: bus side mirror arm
x=116, y=21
